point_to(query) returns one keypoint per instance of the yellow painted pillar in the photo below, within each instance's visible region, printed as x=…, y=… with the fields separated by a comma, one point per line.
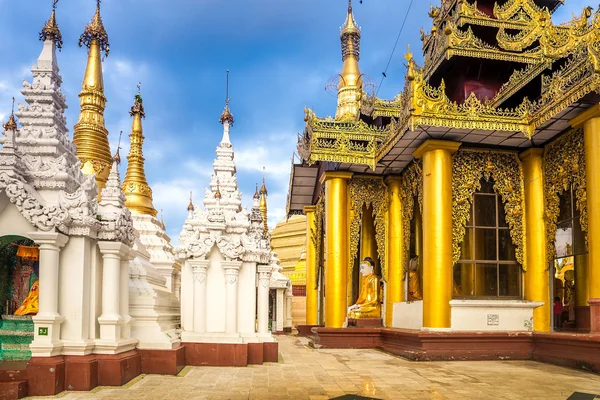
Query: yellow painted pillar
x=437, y=231
x=590, y=121
x=395, y=245
x=312, y=293
x=337, y=238
x=537, y=280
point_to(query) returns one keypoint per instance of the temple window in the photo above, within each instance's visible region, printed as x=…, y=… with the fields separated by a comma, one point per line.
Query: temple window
x=488, y=266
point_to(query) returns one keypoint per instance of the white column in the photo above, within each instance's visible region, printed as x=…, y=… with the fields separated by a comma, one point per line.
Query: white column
x=46, y=342
x=200, y=269
x=124, y=295
x=280, y=309
x=232, y=270
x=288, y=308
x=264, y=278
x=110, y=321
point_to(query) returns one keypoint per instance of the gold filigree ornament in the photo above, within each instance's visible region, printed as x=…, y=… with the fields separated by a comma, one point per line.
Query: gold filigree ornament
x=564, y=166
x=469, y=166
x=411, y=187
x=50, y=31
x=317, y=234
x=370, y=192
x=95, y=31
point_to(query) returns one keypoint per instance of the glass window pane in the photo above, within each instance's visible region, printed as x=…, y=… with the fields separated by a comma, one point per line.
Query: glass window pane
x=510, y=280
x=578, y=238
x=486, y=280
x=565, y=206
x=485, y=210
x=501, y=214
x=506, y=248
x=564, y=239
x=486, y=187
x=464, y=280
x=485, y=244
x=467, y=245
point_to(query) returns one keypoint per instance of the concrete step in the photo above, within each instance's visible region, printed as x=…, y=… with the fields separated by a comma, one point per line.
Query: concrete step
x=13, y=390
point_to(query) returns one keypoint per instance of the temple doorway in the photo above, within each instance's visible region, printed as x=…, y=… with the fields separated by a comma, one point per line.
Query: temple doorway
x=19, y=272
x=569, y=278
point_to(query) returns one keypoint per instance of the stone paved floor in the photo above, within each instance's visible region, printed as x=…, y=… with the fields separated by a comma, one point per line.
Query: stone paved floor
x=305, y=373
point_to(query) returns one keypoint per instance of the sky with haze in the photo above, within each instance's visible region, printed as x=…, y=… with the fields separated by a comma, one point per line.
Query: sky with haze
x=281, y=54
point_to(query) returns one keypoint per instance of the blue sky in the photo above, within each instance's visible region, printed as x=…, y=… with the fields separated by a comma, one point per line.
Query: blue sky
x=281, y=54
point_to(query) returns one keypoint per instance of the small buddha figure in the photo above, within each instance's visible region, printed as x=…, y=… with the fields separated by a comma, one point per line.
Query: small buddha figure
x=367, y=305
x=31, y=303
x=414, y=283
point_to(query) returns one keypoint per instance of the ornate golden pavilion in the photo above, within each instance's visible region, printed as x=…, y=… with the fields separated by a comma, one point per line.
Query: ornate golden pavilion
x=486, y=167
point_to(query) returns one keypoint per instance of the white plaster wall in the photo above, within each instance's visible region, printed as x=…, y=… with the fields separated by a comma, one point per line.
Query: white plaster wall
x=492, y=315
x=408, y=315
x=247, y=298
x=11, y=220
x=215, y=294
x=187, y=297
x=74, y=295
x=95, y=292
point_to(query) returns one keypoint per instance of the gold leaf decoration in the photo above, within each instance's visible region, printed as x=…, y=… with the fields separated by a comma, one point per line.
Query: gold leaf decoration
x=469, y=166
x=411, y=187
x=564, y=165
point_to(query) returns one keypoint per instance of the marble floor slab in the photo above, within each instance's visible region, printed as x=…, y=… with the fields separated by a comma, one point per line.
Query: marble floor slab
x=308, y=374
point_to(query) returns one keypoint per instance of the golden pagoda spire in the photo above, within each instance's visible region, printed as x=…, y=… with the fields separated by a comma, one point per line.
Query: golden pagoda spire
x=11, y=124
x=218, y=194
x=91, y=136
x=227, y=116
x=263, y=204
x=50, y=31
x=191, y=207
x=256, y=194
x=137, y=191
x=351, y=82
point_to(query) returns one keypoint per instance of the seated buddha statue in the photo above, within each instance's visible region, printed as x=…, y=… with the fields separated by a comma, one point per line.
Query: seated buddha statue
x=31, y=303
x=367, y=305
x=414, y=282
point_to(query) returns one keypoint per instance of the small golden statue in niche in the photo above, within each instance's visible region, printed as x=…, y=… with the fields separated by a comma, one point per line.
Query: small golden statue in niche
x=367, y=305
x=414, y=282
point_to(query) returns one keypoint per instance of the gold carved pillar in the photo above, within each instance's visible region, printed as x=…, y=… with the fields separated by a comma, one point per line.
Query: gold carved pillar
x=337, y=238
x=395, y=245
x=437, y=231
x=590, y=121
x=537, y=280
x=312, y=293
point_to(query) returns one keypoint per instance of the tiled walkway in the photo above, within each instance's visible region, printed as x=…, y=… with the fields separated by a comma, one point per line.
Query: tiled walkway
x=304, y=373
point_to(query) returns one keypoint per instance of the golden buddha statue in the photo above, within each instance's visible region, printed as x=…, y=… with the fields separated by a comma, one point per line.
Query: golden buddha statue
x=31, y=303
x=367, y=305
x=414, y=283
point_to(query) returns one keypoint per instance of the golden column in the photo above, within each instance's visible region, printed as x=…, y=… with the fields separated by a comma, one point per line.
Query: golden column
x=312, y=294
x=395, y=245
x=90, y=134
x=263, y=205
x=337, y=236
x=437, y=231
x=590, y=120
x=138, y=193
x=537, y=284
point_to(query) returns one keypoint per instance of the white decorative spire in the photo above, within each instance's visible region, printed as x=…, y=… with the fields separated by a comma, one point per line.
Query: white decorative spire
x=112, y=193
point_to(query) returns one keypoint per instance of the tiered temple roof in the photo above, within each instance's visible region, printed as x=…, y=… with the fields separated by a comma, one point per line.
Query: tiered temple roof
x=495, y=73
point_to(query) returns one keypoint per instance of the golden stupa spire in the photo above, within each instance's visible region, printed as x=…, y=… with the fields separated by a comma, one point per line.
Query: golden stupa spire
x=191, y=207
x=90, y=134
x=256, y=194
x=137, y=191
x=263, y=204
x=227, y=116
x=350, y=84
x=11, y=124
x=50, y=31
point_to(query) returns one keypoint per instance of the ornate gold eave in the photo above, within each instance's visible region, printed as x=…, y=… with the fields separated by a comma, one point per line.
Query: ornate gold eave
x=353, y=142
x=518, y=80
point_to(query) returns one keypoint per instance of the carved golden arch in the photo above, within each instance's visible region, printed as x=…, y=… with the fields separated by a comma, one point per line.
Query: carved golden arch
x=564, y=165
x=506, y=170
x=368, y=191
x=317, y=233
x=411, y=187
